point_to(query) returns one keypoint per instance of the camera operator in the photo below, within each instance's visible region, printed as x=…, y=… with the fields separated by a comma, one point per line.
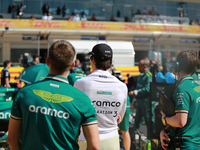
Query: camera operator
x=187, y=107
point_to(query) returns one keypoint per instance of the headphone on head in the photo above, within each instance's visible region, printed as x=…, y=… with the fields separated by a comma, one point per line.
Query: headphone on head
x=176, y=68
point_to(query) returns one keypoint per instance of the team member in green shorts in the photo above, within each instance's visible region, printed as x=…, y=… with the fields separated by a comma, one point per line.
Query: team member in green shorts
x=77, y=74
x=141, y=94
x=124, y=127
x=48, y=114
x=187, y=105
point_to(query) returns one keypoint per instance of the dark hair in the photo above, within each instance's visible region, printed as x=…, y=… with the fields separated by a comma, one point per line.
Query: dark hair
x=104, y=65
x=187, y=61
x=5, y=63
x=61, y=56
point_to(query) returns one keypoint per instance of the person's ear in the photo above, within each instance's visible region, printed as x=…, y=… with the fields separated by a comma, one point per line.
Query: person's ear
x=47, y=61
x=73, y=64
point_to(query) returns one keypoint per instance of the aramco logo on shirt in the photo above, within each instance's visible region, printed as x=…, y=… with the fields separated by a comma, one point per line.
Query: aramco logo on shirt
x=54, y=98
x=5, y=115
x=49, y=111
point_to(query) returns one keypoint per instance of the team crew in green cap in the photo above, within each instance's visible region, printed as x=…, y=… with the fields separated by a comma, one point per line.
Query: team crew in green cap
x=48, y=114
x=187, y=107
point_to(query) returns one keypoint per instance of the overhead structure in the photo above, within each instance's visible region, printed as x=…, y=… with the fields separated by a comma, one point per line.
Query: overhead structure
x=186, y=1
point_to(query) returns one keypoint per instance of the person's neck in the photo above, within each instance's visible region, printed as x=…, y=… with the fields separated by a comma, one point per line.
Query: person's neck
x=182, y=74
x=99, y=69
x=145, y=69
x=64, y=74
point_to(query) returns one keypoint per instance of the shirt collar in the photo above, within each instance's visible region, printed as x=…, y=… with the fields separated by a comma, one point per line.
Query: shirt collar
x=57, y=77
x=184, y=78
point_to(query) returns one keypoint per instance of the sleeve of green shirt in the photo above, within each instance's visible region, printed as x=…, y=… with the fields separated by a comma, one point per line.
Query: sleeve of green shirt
x=16, y=109
x=146, y=88
x=88, y=111
x=182, y=99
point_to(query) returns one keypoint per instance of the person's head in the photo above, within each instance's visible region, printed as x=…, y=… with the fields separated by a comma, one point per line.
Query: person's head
x=49, y=14
x=77, y=15
x=187, y=61
x=77, y=62
x=7, y=64
x=101, y=57
x=36, y=59
x=143, y=65
x=61, y=56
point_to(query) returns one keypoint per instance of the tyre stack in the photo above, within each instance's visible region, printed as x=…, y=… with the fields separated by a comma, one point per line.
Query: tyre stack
x=85, y=62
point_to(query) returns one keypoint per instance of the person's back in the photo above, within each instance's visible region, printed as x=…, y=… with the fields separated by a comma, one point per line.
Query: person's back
x=54, y=114
x=188, y=91
x=108, y=95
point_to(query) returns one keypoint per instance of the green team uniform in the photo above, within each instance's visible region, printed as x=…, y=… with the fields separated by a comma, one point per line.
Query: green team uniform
x=125, y=121
x=187, y=97
x=74, y=76
x=52, y=112
x=196, y=77
x=142, y=109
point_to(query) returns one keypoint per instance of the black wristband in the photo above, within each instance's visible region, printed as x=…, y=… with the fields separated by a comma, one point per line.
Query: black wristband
x=166, y=130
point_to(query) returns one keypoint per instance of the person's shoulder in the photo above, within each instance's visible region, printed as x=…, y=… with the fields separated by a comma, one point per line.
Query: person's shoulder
x=148, y=74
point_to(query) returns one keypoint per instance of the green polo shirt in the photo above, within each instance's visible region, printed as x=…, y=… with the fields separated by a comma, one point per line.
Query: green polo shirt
x=187, y=97
x=52, y=111
x=196, y=77
x=143, y=85
x=75, y=76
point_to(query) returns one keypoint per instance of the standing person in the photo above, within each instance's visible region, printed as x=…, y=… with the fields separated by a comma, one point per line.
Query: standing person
x=48, y=114
x=58, y=11
x=5, y=75
x=196, y=75
x=141, y=94
x=75, y=75
x=36, y=60
x=187, y=107
x=63, y=11
x=13, y=9
x=108, y=95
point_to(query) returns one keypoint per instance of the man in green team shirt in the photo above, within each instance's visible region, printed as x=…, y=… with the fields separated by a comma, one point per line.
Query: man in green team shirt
x=48, y=114
x=187, y=107
x=141, y=94
x=77, y=74
x=196, y=75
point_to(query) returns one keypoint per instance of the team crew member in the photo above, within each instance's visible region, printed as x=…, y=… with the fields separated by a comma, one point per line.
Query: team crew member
x=196, y=75
x=124, y=127
x=5, y=75
x=141, y=94
x=187, y=105
x=36, y=60
x=77, y=74
x=48, y=114
x=107, y=93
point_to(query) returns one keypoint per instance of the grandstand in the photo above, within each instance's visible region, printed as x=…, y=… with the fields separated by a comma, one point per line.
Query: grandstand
x=19, y=36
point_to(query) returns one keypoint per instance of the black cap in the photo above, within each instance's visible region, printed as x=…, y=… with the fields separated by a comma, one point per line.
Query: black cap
x=35, y=56
x=101, y=52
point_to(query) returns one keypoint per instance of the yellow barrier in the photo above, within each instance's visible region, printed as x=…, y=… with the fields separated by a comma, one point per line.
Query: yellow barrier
x=40, y=24
x=128, y=70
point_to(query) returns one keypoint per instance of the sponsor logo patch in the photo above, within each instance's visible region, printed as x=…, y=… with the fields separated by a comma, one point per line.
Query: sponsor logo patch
x=54, y=98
